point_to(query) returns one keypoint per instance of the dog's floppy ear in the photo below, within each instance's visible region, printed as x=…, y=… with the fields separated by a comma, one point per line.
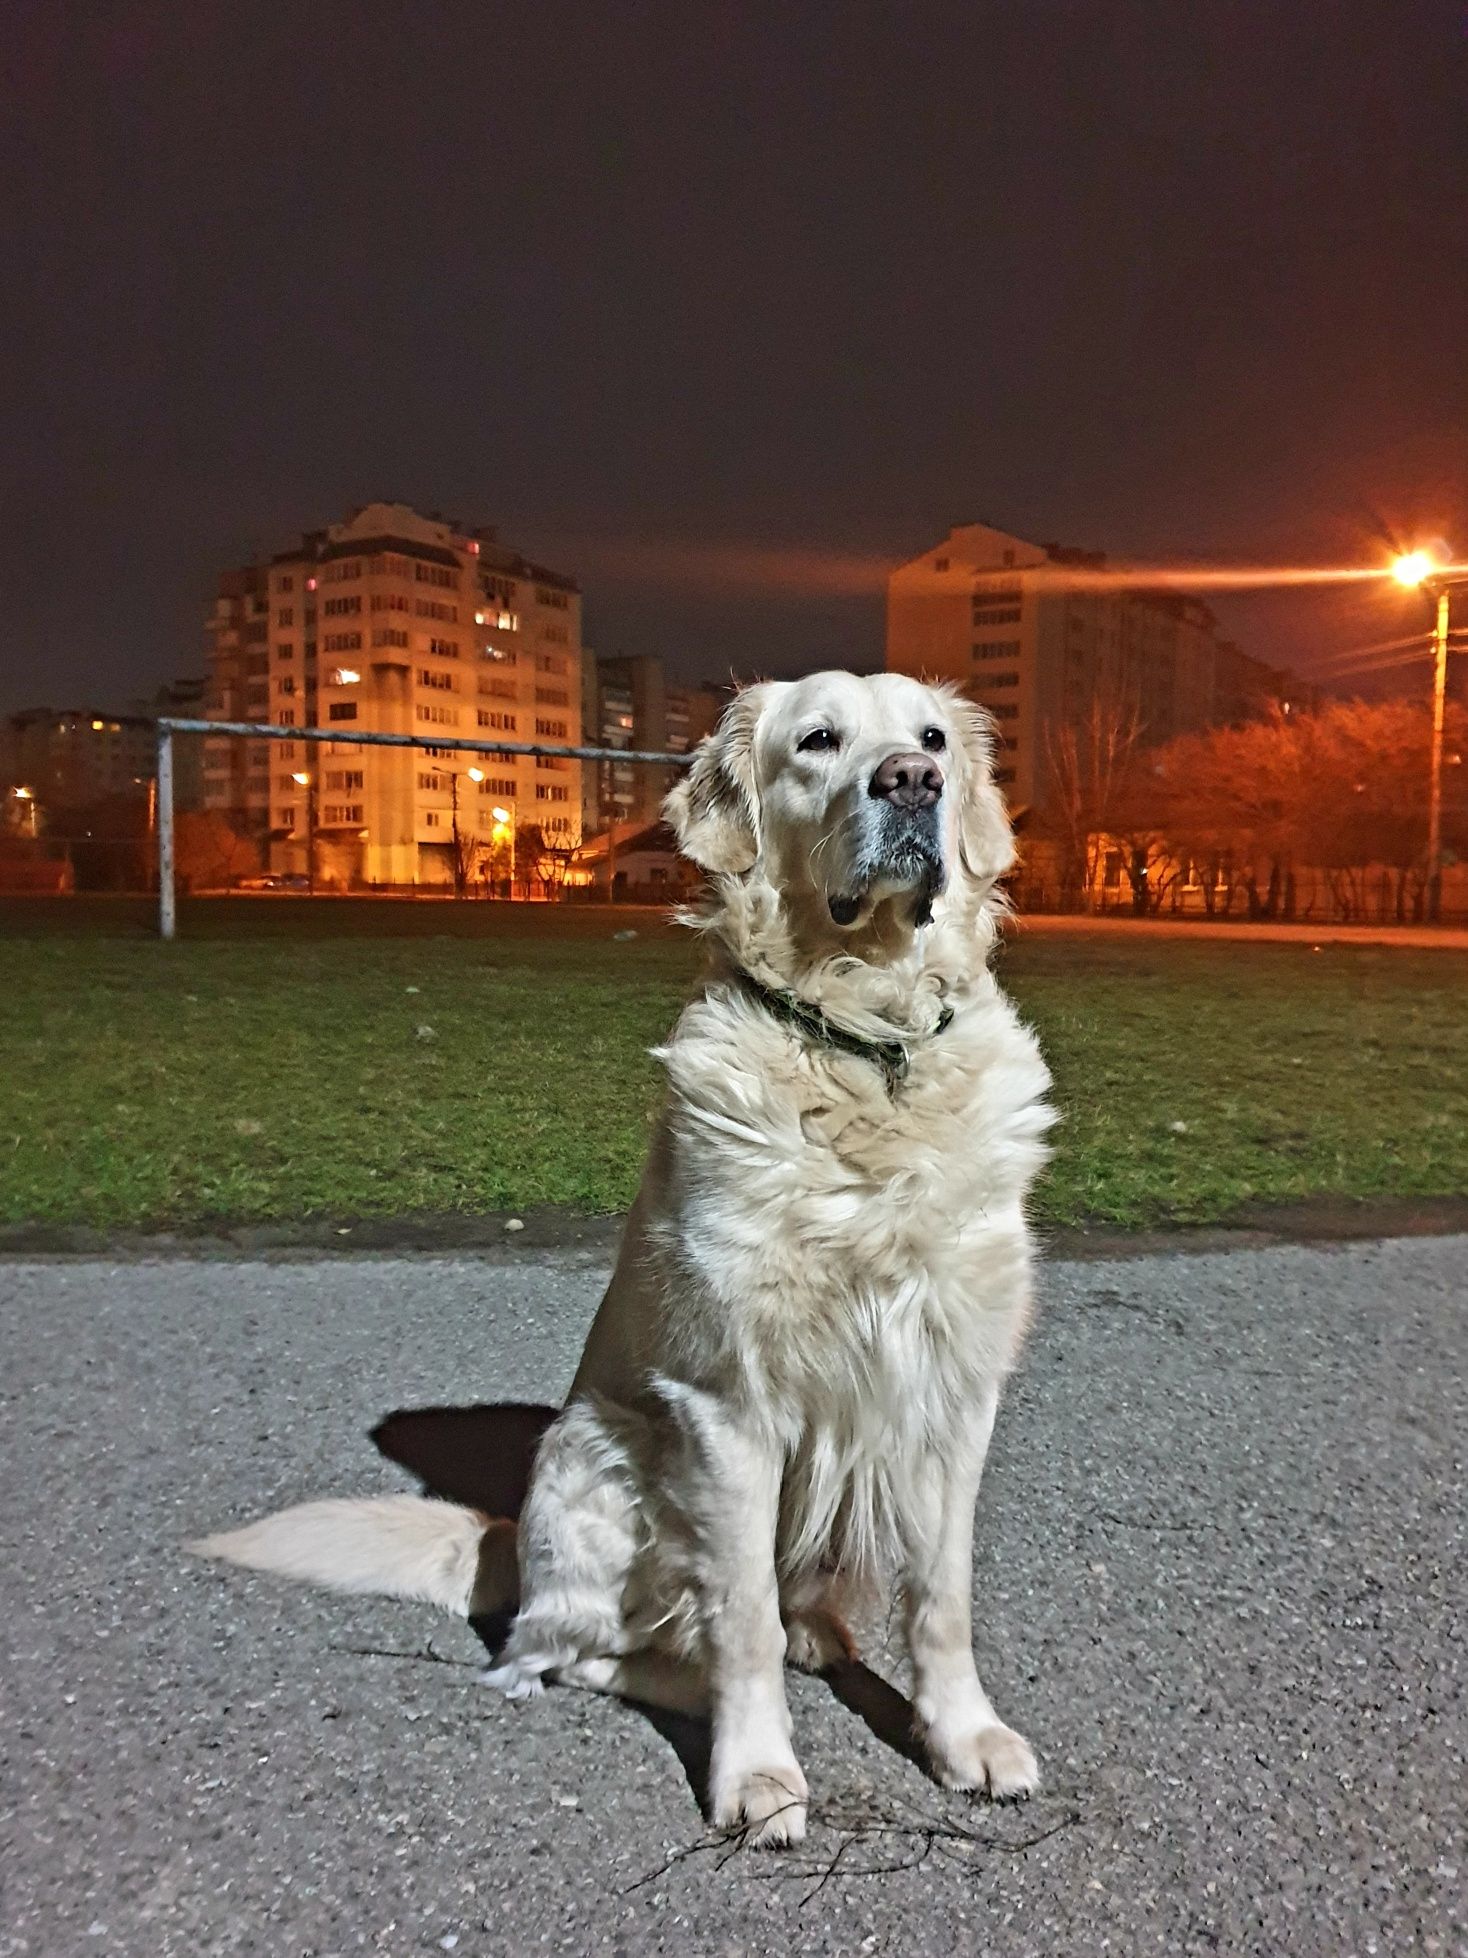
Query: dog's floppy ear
x=714, y=810
x=985, y=838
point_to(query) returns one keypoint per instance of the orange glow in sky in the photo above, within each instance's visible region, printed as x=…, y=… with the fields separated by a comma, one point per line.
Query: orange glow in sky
x=792, y=571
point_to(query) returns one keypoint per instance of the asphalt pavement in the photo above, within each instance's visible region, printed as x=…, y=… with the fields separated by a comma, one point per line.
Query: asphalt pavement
x=1221, y=1586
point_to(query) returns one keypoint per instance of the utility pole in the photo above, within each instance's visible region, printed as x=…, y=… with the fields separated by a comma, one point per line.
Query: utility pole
x=1435, y=766
x=1418, y=569
x=305, y=778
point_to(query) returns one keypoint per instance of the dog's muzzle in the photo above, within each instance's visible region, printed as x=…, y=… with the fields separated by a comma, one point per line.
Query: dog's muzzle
x=902, y=842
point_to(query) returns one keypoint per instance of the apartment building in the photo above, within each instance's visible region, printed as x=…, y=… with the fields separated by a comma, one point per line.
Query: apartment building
x=628, y=703
x=1248, y=689
x=1033, y=633
x=71, y=756
x=394, y=622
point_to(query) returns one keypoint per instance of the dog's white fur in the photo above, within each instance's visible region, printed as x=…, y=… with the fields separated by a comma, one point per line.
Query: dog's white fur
x=790, y=1385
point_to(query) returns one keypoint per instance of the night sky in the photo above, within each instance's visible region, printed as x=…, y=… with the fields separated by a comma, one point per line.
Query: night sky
x=724, y=308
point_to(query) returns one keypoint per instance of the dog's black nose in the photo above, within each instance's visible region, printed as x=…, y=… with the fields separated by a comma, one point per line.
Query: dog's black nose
x=907, y=781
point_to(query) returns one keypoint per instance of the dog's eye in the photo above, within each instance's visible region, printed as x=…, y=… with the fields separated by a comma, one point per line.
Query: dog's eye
x=818, y=738
x=934, y=740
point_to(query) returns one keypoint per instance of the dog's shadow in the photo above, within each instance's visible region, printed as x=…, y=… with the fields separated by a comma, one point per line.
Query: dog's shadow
x=482, y=1457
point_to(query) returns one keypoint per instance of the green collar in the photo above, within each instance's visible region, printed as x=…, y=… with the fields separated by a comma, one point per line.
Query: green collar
x=891, y=1056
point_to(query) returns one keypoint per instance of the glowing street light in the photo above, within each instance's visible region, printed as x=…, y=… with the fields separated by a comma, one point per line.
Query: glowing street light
x=476, y=774
x=302, y=777
x=1413, y=568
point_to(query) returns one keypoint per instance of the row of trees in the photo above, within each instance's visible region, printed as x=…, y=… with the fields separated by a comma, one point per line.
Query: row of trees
x=111, y=846
x=1324, y=810
x=506, y=864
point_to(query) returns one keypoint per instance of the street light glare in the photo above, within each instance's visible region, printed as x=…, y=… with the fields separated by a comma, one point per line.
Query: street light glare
x=500, y=815
x=476, y=774
x=1412, y=568
x=301, y=777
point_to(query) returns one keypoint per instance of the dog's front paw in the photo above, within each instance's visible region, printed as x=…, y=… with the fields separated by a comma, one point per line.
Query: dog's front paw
x=765, y=1806
x=990, y=1760
x=515, y=1681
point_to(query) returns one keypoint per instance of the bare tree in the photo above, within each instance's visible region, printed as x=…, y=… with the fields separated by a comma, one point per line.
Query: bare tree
x=1092, y=761
x=469, y=851
x=210, y=854
x=1341, y=794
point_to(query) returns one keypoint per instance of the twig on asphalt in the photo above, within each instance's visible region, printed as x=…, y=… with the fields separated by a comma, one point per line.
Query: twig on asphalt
x=935, y=1833
x=425, y=1657
x=731, y=1841
x=1154, y=1523
x=677, y=1856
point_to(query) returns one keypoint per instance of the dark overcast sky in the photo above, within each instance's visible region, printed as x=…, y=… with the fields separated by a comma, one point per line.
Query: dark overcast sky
x=649, y=284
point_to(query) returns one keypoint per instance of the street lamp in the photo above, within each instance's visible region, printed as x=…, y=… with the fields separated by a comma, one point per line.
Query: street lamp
x=503, y=835
x=461, y=869
x=1419, y=571
x=303, y=777
x=28, y=797
x=1413, y=568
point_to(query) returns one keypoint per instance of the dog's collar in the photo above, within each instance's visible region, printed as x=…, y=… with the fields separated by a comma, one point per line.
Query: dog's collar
x=891, y=1056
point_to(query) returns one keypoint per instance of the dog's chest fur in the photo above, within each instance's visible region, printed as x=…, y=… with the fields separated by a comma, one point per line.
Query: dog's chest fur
x=851, y=1266
x=849, y=1242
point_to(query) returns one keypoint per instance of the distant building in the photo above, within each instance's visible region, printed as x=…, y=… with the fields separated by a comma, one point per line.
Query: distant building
x=72, y=757
x=998, y=615
x=627, y=703
x=182, y=700
x=1246, y=689
x=637, y=863
x=396, y=623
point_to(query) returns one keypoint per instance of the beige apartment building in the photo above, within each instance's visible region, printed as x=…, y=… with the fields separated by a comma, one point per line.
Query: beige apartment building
x=395, y=623
x=1029, y=634
x=626, y=702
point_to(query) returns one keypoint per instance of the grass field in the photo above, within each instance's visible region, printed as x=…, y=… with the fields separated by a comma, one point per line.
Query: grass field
x=285, y=1060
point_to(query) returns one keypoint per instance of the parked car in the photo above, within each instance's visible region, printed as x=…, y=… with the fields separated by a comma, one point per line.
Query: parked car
x=275, y=880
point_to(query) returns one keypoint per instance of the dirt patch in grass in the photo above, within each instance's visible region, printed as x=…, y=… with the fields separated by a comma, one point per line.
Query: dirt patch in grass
x=501, y=1238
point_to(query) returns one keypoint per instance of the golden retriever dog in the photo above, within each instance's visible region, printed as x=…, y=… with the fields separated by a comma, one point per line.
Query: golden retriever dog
x=789, y=1388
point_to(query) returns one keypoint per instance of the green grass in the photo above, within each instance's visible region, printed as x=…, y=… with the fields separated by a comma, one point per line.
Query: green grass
x=286, y=1061
x=1295, y=1073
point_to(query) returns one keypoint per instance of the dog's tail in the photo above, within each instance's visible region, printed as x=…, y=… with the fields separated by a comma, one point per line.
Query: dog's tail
x=394, y=1546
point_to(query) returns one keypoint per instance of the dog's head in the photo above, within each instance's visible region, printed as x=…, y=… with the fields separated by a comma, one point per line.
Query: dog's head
x=859, y=795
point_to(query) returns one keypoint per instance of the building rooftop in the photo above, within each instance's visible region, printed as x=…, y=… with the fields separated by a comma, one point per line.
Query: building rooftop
x=428, y=536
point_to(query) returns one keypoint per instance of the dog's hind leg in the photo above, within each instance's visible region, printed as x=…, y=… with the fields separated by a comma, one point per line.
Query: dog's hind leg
x=817, y=1639
x=653, y=1678
x=817, y=1635
x=579, y=1535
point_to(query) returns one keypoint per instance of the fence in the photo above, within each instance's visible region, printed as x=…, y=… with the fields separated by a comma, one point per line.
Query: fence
x=169, y=727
